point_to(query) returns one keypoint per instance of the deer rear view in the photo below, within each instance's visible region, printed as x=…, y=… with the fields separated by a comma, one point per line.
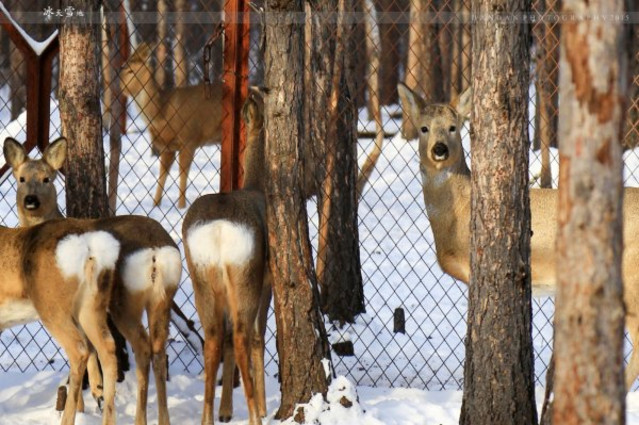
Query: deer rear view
x=226, y=252
x=62, y=272
x=179, y=119
x=446, y=189
x=148, y=269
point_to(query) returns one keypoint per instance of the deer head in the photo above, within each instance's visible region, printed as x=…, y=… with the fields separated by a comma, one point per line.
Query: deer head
x=36, y=193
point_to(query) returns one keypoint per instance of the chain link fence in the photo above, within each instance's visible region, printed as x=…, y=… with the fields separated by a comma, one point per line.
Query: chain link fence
x=425, y=44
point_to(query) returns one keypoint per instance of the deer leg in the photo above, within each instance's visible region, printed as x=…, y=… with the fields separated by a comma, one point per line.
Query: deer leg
x=228, y=372
x=95, y=378
x=159, y=317
x=134, y=332
x=92, y=318
x=186, y=159
x=211, y=317
x=244, y=304
x=167, y=157
x=257, y=348
x=76, y=348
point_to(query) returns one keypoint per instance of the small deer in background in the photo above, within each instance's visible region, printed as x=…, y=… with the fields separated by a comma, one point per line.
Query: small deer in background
x=226, y=250
x=62, y=272
x=180, y=119
x=147, y=275
x=446, y=187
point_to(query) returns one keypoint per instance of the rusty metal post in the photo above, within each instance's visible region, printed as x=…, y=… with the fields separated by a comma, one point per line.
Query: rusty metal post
x=38, y=85
x=235, y=76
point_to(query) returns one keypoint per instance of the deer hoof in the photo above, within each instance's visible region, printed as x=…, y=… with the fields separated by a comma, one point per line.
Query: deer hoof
x=100, y=401
x=225, y=418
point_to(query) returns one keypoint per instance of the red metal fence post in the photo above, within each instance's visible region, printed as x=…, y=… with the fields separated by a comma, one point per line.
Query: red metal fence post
x=38, y=84
x=236, y=49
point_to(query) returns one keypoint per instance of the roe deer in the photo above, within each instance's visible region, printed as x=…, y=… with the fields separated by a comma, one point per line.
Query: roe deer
x=226, y=251
x=147, y=272
x=62, y=272
x=180, y=119
x=446, y=188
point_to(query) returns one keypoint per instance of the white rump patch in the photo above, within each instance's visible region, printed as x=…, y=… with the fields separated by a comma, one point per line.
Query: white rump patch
x=221, y=242
x=170, y=263
x=73, y=251
x=139, y=268
x=17, y=312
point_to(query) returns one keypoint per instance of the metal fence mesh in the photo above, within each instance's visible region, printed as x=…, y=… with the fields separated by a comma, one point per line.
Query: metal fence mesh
x=425, y=43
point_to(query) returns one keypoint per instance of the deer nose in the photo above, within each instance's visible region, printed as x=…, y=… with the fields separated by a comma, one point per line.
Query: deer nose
x=31, y=202
x=440, y=152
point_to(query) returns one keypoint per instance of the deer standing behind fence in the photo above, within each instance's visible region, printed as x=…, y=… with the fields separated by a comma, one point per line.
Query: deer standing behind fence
x=446, y=188
x=62, y=272
x=179, y=119
x=147, y=275
x=226, y=252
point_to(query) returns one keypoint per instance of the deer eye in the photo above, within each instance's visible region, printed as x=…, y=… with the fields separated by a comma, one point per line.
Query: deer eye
x=424, y=129
x=452, y=129
x=21, y=179
x=45, y=180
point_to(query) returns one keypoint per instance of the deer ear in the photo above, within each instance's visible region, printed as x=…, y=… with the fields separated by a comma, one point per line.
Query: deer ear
x=14, y=152
x=463, y=102
x=56, y=153
x=253, y=108
x=143, y=52
x=412, y=101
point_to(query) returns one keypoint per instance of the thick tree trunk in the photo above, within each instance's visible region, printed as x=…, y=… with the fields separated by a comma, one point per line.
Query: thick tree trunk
x=589, y=319
x=301, y=338
x=181, y=59
x=333, y=141
x=79, y=94
x=498, y=373
x=424, y=62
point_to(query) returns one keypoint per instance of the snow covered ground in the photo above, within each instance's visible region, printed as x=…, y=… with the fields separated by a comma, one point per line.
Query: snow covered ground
x=424, y=366
x=27, y=399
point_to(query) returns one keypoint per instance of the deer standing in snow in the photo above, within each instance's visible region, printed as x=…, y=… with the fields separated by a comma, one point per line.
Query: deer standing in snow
x=62, y=272
x=179, y=119
x=147, y=274
x=226, y=251
x=446, y=188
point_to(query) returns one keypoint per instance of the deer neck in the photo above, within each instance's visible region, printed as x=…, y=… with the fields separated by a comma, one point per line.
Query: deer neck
x=27, y=219
x=254, y=172
x=447, y=198
x=148, y=101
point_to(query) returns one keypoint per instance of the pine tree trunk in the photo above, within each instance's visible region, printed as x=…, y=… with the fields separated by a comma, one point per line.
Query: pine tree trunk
x=79, y=95
x=301, y=338
x=589, y=318
x=333, y=139
x=498, y=373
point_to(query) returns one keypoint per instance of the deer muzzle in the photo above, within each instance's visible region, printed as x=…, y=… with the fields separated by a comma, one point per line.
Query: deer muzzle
x=31, y=202
x=440, y=152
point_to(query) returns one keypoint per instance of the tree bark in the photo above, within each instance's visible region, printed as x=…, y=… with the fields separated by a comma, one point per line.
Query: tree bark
x=589, y=317
x=301, y=337
x=498, y=373
x=333, y=141
x=424, y=61
x=79, y=95
x=181, y=59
